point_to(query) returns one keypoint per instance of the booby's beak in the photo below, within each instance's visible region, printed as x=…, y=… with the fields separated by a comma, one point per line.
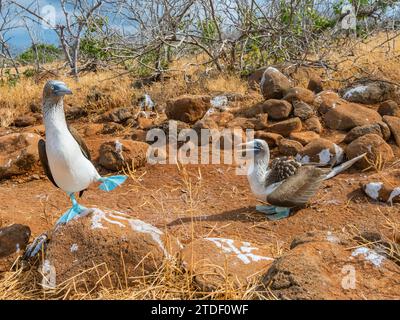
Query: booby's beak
x=61, y=89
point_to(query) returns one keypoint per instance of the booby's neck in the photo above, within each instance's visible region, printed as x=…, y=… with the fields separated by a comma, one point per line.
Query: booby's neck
x=54, y=116
x=258, y=173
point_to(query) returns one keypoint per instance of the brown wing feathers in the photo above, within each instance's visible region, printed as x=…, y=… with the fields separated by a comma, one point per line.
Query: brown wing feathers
x=44, y=161
x=299, y=188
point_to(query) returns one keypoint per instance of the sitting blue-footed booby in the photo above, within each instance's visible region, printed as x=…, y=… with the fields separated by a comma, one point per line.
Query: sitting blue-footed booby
x=286, y=183
x=65, y=157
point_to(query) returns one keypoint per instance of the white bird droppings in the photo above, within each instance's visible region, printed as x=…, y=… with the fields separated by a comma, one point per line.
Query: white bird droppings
x=332, y=238
x=369, y=255
x=393, y=194
x=339, y=154
x=209, y=112
x=372, y=189
x=244, y=252
x=219, y=102
x=324, y=156
x=272, y=69
x=8, y=164
x=74, y=247
x=49, y=275
x=136, y=225
x=351, y=92
x=119, y=148
x=154, y=232
x=99, y=215
x=147, y=103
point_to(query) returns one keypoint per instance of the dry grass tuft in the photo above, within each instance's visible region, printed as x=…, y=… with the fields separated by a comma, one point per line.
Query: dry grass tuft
x=227, y=84
x=389, y=235
x=377, y=164
x=171, y=281
x=93, y=92
x=103, y=91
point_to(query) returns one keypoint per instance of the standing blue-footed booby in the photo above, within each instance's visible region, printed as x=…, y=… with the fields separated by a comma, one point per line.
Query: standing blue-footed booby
x=64, y=155
x=287, y=183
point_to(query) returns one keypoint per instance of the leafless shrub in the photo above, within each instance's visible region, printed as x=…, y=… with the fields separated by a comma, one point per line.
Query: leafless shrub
x=236, y=36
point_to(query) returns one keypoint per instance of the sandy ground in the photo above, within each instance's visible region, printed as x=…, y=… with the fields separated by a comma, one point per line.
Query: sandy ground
x=202, y=200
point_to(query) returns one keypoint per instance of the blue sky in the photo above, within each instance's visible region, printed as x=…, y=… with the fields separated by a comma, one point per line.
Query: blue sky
x=19, y=38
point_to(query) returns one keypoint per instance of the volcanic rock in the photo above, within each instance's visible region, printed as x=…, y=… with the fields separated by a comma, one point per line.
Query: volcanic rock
x=189, y=108
x=376, y=148
x=118, y=154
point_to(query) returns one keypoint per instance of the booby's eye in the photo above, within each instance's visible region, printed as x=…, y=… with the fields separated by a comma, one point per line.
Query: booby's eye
x=257, y=146
x=52, y=87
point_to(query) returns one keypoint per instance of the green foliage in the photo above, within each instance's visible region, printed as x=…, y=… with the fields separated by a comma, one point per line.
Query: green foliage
x=93, y=48
x=29, y=73
x=254, y=55
x=319, y=22
x=301, y=14
x=9, y=78
x=286, y=14
x=93, y=45
x=45, y=52
x=149, y=61
x=337, y=7
x=208, y=30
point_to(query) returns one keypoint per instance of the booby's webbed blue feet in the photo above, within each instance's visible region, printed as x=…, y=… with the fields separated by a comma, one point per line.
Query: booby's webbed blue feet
x=274, y=213
x=73, y=212
x=110, y=183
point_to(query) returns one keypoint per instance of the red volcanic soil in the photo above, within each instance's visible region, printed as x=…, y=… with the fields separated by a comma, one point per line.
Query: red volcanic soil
x=200, y=200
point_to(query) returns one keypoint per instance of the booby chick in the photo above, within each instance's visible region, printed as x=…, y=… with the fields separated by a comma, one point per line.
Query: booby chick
x=287, y=183
x=64, y=155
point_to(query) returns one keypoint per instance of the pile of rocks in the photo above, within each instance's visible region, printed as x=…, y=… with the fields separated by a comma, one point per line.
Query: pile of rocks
x=310, y=123
x=299, y=118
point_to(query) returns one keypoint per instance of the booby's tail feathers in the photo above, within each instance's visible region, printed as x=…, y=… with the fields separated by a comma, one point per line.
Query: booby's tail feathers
x=110, y=183
x=344, y=166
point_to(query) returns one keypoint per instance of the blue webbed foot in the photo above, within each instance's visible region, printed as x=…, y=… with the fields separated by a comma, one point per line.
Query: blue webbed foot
x=110, y=183
x=274, y=213
x=73, y=212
